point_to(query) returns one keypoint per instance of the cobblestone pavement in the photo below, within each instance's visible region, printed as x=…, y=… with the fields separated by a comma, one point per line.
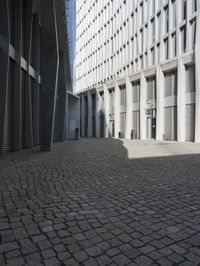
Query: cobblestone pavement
x=87, y=204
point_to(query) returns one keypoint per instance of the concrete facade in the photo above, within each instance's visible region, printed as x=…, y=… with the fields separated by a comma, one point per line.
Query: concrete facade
x=34, y=73
x=147, y=53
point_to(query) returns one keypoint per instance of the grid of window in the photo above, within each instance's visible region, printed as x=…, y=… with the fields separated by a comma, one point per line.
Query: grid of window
x=120, y=37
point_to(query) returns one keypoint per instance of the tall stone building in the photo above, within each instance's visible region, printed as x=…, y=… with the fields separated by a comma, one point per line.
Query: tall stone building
x=35, y=80
x=138, y=68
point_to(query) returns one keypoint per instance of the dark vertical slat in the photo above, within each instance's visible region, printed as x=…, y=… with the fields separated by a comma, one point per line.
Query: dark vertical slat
x=17, y=75
x=4, y=64
x=28, y=114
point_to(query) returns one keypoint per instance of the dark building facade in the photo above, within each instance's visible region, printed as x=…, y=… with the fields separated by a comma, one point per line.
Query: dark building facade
x=34, y=74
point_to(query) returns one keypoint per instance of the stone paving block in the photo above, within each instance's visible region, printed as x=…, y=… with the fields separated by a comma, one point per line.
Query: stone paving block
x=121, y=259
x=90, y=262
x=94, y=251
x=193, y=257
x=19, y=261
x=44, y=244
x=80, y=256
x=48, y=253
x=8, y=246
x=175, y=258
x=13, y=254
x=164, y=262
x=52, y=262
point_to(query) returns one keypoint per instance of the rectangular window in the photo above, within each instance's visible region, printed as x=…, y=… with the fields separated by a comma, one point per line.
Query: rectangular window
x=174, y=13
x=152, y=56
x=136, y=92
x=194, y=6
x=184, y=9
x=111, y=101
x=141, y=41
x=158, y=52
x=123, y=95
x=166, y=43
x=170, y=84
x=193, y=33
x=166, y=19
x=190, y=78
x=174, y=45
x=151, y=89
x=142, y=13
x=183, y=39
x=159, y=26
x=152, y=31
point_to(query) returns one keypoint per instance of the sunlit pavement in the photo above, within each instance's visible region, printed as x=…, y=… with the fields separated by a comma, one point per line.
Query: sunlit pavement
x=101, y=202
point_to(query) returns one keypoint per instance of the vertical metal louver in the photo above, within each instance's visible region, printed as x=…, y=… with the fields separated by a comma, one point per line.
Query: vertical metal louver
x=8, y=118
x=122, y=125
x=6, y=127
x=136, y=125
x=190, y=122
x=168, y=123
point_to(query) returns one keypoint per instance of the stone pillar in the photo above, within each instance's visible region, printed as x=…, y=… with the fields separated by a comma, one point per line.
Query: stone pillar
x=181, y=90
x=98, y=107
x=129, y=104
x=117, y=110
x=49, y=73
x=197, y=70
x=89, y=114
x=143, y=97
x=106, y=109
x=160, y=103
x=82, y=116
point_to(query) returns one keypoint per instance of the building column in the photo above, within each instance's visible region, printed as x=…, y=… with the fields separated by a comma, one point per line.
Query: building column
x=49, y=73
x=129, y=104
x=197, y=70
x=143, y=97
x=181, y=90
x=160, y=103
x=89, y=114
x=60, y=108
x=117, y=110
x=98, y=107
x=82, y=116
x=106, y=109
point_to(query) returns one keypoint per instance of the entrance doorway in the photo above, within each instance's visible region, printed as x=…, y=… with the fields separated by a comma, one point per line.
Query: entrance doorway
x=151, y=128
x=101, y=126
x=111, y=129
x=151, y=124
